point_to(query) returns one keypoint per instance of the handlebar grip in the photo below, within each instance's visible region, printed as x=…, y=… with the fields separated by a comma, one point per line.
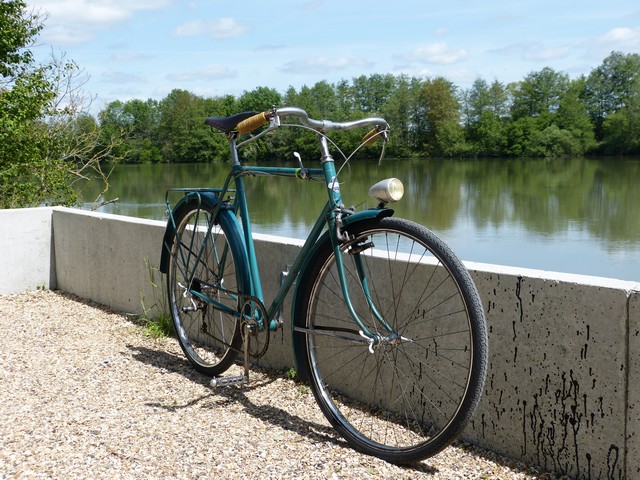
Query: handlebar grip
x=251, y=123
x=371, y=137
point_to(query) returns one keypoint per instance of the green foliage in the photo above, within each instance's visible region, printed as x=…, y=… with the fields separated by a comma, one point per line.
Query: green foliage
x=31, y=171
x=546, y=114
x=621, y=130
x=46, y=143
x=259, y=100
x=612, y=87
x=18, y=33
x=539, y=94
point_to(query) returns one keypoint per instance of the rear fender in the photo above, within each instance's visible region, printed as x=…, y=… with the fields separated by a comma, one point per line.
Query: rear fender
x=206, y=198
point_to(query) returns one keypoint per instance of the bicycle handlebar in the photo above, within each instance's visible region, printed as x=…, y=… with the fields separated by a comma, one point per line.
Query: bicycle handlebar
x=251, y=123
x=262, y=118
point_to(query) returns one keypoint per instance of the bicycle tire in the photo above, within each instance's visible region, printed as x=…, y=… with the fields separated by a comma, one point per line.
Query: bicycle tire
x=209, y=337
x=404, y=402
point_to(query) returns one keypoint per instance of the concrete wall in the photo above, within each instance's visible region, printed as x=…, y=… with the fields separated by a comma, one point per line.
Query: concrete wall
x=559, y=384
x=26, y=250
x=563, y=388
x=110, y=259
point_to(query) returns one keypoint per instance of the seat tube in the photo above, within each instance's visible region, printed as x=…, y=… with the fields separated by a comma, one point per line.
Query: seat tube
x=256, y=286
x=243, y=210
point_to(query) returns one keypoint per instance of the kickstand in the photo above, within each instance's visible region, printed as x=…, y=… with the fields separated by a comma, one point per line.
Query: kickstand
x=247, y=334
x=239, y=379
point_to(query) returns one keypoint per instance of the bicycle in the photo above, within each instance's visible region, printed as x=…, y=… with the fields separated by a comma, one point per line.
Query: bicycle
x=387, y=324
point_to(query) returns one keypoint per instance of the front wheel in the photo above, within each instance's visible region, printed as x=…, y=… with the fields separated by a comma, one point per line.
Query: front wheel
x=409, y=390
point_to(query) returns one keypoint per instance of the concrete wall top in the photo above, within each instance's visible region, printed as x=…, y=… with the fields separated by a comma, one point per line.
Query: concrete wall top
x=603, y=282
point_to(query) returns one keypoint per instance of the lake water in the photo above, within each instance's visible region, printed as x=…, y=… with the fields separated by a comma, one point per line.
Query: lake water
x=570, y=215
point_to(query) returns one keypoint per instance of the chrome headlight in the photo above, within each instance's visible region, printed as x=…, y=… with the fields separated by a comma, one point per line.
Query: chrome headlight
x=387, y=191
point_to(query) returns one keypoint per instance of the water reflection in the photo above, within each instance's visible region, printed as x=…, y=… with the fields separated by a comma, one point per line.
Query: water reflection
x=576, y=215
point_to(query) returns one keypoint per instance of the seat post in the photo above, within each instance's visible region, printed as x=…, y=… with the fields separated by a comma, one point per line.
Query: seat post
x=235, y=161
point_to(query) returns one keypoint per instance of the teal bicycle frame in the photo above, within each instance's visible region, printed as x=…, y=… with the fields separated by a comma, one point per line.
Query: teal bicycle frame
x=333, y=215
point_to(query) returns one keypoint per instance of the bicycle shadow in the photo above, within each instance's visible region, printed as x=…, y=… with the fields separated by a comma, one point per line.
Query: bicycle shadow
x=268, y=413
x=221, y=397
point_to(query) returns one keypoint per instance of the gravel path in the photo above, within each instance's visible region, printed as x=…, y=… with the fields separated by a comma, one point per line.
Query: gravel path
x=86, y=394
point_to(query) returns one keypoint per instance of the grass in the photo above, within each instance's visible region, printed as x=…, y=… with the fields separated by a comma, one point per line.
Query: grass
x=157, y=322
x=159, y=326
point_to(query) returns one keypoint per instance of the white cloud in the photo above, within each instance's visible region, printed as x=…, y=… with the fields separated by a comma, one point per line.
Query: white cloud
x=542, y=53
x=621, y=38
x=220, y=28
x=130, y=57
x=65, y=36
x=212, y=72
x=438, y=53
x=73, y=22
x=320, y=65
x=534, y=51
x=83, y=11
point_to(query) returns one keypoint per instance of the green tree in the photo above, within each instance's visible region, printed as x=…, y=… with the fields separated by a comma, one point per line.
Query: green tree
x=539, y=94
x=259, y=99
x=486, y=110
x=182, y=133
x=43, y=149
x=371, y=93
x=611, y=87
x=136, y=123
x=401, y=111
x=573, y=117
x=438, y=117
x=621, y=130
x=550, y=117
x=519, y=134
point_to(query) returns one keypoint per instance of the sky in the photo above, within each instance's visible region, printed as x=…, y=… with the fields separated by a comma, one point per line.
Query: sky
x=140, y=49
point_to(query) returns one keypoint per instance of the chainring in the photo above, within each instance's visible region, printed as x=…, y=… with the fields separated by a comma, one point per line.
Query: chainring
x=254, y=315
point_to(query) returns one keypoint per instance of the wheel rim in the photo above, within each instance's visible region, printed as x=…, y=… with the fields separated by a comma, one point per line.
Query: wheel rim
x=414, y=390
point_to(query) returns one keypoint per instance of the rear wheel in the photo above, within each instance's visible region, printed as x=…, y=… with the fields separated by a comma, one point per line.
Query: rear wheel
x=409, y=392
x=206, y=271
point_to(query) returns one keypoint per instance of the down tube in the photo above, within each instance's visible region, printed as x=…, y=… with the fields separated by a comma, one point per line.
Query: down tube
x=298, y=262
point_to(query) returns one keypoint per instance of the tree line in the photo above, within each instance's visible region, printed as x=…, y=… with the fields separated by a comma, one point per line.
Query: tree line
x=546, y=114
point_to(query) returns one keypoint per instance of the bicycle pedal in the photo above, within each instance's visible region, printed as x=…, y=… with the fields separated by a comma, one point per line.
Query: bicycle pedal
x=227, y=381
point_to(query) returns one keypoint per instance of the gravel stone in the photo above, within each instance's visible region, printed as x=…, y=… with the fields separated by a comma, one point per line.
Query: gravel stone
x=85, y=393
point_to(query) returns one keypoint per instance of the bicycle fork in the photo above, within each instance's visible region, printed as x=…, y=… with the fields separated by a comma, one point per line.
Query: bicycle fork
x=339, y=238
